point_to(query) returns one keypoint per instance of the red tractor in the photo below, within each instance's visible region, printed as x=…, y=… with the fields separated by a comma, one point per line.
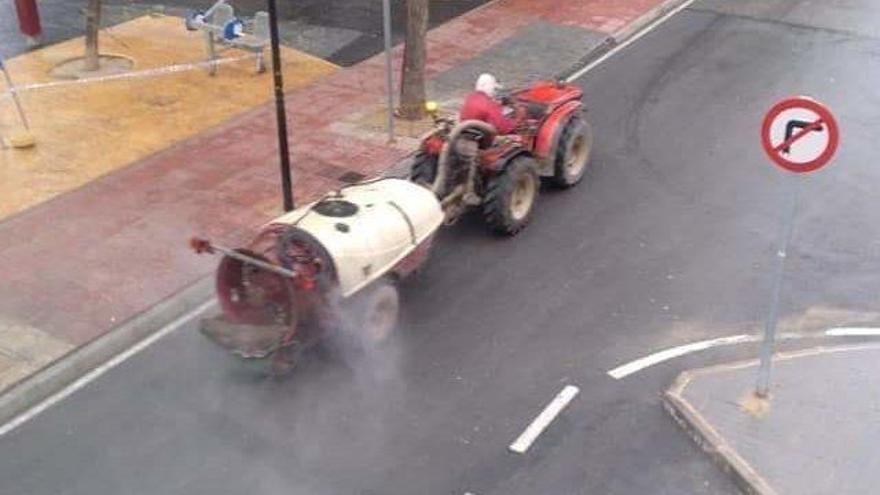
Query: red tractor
x=467, y=164
x=333, y=264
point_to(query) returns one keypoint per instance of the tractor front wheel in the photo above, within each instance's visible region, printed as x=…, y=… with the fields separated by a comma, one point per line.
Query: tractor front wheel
x=511, y=196
x=573, y=152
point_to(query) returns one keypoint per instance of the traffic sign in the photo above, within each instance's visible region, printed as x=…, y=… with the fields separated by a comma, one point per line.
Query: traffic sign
x=800, y=134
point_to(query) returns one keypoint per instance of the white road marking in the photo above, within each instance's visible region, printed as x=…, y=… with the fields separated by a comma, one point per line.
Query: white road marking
x=674, y=352
x=100, y=370
x=853, y=332
x=531, y=433
x=632, y=39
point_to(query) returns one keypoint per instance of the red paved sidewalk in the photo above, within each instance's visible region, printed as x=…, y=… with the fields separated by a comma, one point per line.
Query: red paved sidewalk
x=80, y=264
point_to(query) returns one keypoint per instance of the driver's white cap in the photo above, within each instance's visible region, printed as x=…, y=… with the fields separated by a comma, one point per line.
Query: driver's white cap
x=487, y=84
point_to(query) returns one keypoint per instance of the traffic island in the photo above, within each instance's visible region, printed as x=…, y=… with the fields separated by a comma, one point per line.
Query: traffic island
x=813, y=436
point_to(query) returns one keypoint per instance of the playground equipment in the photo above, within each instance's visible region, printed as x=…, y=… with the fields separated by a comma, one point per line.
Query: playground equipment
x=20, y=139
x=220, y=25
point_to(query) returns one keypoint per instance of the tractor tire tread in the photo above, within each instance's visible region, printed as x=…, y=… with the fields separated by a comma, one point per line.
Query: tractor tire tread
x=558, y=179
x=495, y=208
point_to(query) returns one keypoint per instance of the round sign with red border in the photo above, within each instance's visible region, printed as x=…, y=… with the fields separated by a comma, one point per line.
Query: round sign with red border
x=800, y=134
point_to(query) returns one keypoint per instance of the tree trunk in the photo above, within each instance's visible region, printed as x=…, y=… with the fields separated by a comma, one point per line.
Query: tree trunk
x=412, y=88
x=93, y=24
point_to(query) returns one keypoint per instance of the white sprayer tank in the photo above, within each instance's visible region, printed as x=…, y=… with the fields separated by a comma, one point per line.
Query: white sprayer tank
x=368, y=228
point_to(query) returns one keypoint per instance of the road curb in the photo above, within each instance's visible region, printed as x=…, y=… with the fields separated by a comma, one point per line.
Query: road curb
x=710, y=441
x=67, y=369
x=622, y=35
x=646, y=19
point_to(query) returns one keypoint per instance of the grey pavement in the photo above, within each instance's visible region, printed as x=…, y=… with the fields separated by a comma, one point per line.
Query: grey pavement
x=667, y=241
x=342, y=31
x=815, y=435
x=539, y=50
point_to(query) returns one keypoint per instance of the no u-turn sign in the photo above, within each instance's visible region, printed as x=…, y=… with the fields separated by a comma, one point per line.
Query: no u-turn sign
x=800, y=134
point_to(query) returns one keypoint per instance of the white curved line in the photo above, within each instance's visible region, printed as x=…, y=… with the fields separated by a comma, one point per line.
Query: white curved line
x=674, y=352
x=853, y=332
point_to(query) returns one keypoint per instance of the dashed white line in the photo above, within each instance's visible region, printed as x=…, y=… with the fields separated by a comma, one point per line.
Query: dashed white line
x=531, y=433
x=853, y=332
x=100, y=370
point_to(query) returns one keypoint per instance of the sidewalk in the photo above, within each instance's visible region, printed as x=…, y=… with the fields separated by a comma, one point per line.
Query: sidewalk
x=83, y=263
x=79, y=125
x=817, y=434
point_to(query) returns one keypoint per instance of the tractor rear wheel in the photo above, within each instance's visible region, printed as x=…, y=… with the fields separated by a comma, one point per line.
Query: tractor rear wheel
x=511, y=196
x=573, y=152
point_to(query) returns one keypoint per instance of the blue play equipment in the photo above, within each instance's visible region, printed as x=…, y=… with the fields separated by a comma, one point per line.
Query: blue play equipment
x=220, y=25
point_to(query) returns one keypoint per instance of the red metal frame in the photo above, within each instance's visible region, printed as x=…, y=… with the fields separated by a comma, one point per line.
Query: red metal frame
x=550, y=129
x=551, y=93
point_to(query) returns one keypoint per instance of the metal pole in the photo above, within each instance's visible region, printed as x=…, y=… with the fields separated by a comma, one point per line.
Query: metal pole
x=93, y=27
x=389, y=69
x=11, y=86
x=29, y=20
x=762, y=388
x=280, y=111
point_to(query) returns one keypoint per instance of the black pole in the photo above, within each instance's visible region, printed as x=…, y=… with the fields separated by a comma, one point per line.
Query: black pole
x=281, y=113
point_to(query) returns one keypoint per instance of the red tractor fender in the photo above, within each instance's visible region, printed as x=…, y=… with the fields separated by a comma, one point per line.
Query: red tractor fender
x=494, y=160
x=547, y=138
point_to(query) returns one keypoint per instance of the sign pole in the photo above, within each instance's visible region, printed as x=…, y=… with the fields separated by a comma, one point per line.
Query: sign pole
x=280, y=111
x=800, y=135
x=793, y=185
x=389, y=66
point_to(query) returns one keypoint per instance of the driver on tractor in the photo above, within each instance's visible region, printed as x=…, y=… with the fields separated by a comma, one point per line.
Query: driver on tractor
x=482, y=105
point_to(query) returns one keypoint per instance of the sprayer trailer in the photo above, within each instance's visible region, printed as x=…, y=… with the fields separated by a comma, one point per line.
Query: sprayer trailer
x=307, y=271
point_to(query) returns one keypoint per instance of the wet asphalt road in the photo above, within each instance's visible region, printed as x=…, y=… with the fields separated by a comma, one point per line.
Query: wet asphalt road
x=668, y=241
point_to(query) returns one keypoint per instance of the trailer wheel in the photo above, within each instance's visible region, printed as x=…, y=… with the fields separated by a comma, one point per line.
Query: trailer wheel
x=511, y=196
x=284, y=360
x=573, y=152
x=375, y=312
